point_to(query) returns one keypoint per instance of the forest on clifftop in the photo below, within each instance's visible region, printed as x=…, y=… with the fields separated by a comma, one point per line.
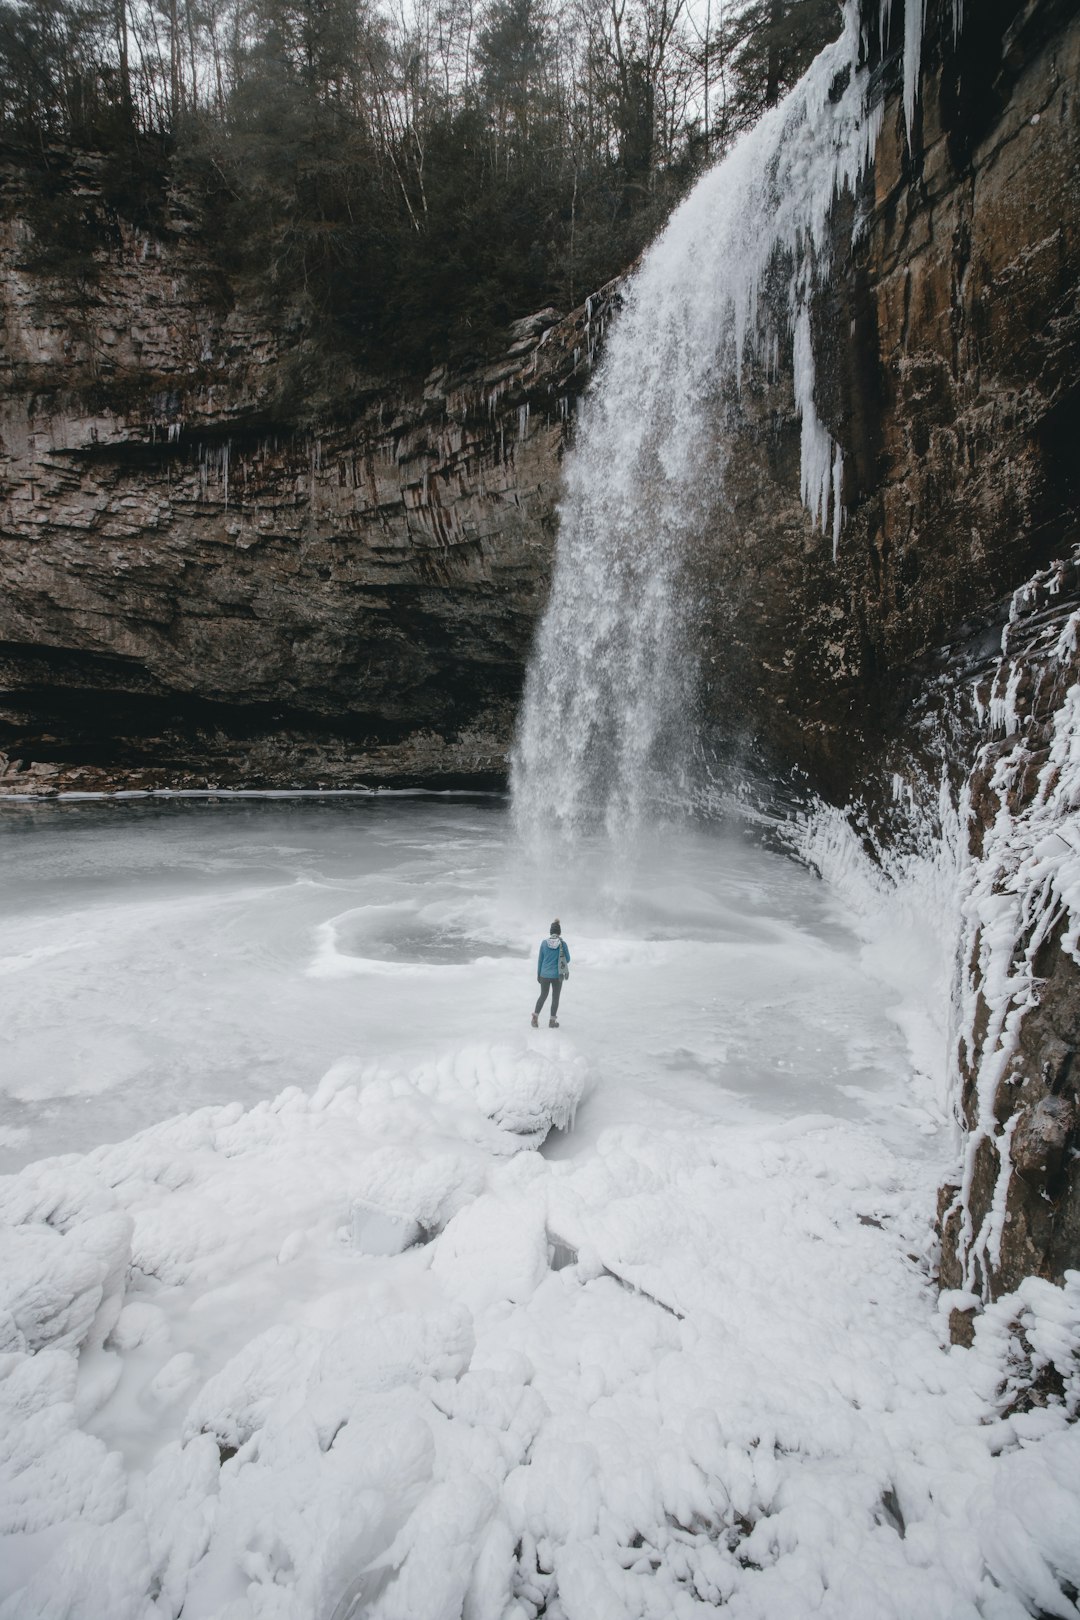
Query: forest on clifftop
x=397, y=181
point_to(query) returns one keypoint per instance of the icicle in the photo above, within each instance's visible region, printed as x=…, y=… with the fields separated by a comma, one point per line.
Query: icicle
x=837, y=491
x=820, y=461
x=1003, y=712
x=978, y=705
x=914, y=23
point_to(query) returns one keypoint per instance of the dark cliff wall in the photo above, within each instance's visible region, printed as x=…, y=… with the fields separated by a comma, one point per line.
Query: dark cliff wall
x=948, y=363
x=198, y=591
x=962, y=586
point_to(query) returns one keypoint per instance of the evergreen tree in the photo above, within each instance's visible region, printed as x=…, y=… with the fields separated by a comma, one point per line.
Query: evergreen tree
x=771, y=43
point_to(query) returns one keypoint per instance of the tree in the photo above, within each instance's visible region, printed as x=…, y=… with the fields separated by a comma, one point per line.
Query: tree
x=398, y=178
x=514, y=56
x=771, y=44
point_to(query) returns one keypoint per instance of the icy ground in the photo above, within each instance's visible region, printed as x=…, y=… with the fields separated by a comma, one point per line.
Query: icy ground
x=342, y=1338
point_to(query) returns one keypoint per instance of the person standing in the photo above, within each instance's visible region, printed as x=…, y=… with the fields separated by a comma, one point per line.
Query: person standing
x=552, y=967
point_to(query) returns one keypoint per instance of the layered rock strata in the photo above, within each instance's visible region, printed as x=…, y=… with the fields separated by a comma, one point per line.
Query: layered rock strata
x=972, y=252
x=947, y=349
x=197, y=592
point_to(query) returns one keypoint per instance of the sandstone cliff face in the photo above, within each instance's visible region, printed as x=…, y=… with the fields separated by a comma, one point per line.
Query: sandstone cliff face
x=969, y=484
x=948, y=363
x=973, y=258
x=196, y=592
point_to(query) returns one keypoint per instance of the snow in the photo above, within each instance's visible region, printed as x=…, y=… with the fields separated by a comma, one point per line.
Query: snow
x=665, y=1336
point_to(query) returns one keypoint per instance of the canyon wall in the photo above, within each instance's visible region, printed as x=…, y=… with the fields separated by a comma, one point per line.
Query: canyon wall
x=960, y=599
x=201, y=586
x=939, y=642
x=947, y=349
x=199, y=591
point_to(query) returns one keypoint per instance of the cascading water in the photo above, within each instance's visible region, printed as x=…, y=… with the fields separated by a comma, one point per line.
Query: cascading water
x=608, y=721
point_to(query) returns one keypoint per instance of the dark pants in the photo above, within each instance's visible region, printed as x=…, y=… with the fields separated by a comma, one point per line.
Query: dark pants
x=555, y=986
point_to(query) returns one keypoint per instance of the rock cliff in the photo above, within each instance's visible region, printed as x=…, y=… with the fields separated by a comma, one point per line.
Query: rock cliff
x=199, y=591
x=1016, y=1207
x=958, y=638
x=947, y=346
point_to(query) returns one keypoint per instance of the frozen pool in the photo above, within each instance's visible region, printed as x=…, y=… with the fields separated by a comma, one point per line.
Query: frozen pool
x=161, y=955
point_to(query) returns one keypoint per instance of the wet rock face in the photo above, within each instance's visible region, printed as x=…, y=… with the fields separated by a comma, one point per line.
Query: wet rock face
x=197, y=591
x=974, y=258
x=947, y=351
x=1041, y=1139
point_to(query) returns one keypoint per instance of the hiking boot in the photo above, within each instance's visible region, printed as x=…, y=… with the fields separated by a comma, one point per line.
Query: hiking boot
x=553, y=1023
x=535, y=1022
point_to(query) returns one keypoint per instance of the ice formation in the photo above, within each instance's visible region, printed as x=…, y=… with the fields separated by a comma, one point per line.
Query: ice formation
x=914, y=23
x=733, y=1393
x=1025, y=887
x=1000, y=888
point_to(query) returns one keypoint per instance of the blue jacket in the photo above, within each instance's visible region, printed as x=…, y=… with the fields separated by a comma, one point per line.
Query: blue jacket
x=547, y=963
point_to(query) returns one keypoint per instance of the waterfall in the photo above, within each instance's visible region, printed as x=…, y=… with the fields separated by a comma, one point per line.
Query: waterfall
x=607, y=730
